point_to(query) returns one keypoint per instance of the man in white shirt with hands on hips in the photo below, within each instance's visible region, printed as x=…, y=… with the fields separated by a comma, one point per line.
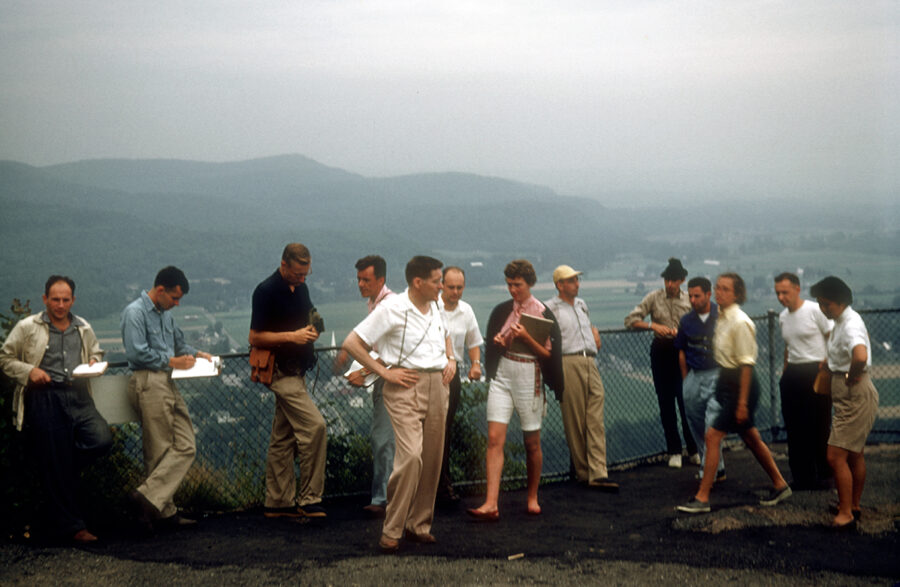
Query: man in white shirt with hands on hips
x=413, y=342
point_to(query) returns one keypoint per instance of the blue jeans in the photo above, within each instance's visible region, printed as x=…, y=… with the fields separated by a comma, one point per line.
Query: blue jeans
x=382, y=446
x=699, y=388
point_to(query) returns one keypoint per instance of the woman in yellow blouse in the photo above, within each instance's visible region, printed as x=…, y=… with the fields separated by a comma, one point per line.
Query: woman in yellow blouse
x=737, y=391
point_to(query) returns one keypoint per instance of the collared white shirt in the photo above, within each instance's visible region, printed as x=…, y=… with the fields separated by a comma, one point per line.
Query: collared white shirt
x=849, y=331
x=405, y=336
x=734, y=341
x=463, y=326
x=574, y=324
x=805, y=332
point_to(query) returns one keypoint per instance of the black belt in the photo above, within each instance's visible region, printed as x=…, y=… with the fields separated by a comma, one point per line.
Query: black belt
x=580, y=354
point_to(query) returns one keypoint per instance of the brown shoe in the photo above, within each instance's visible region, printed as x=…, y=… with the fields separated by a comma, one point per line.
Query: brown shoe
x=420, y=538
x=388, y=545
x=374, y=510
x=84, y=537
x=144, y=511
x=605, y=485
x=288, y=512
x=176, y=522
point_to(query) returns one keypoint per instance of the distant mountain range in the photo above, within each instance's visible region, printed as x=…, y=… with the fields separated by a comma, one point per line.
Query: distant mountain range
x=113, y=223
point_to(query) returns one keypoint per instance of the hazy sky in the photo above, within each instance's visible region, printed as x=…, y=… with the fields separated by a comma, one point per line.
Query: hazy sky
x=587, y=97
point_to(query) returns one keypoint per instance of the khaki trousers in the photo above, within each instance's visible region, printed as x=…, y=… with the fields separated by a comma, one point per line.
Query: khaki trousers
x=298, y=432
x=418, y=415
x=582, y=413
x=168, y=436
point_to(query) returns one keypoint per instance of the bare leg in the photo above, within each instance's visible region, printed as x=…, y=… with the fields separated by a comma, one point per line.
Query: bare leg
x=713, y=450
x=496, y=440
x=755, y=443
x=534, y=462
x=857, y=463
x=843, y=480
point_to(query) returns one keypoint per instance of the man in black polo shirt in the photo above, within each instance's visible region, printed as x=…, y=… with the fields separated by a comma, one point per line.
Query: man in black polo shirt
x=280, y=323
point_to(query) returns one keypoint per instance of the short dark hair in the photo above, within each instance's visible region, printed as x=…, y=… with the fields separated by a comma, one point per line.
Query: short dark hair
x=740, y=290
x=454, y=268
x=376, y=262
x=521, y=268
x=54, y=279
x=834, y=289
x=171, y=277
x=421, y=266
x=295, y=253
x=789, y=276
x=701, y=282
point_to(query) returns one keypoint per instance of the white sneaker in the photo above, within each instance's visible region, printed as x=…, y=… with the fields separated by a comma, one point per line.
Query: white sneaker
x=695, y=459
x=675, y=461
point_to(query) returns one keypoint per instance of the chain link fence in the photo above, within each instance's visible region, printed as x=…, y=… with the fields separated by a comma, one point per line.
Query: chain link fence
x=232, y=419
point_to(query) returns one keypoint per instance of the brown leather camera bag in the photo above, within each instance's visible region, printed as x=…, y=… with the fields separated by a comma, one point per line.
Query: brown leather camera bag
x=262, y=365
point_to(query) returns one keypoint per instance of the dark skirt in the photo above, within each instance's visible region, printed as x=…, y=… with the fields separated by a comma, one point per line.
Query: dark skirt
x=728, y=389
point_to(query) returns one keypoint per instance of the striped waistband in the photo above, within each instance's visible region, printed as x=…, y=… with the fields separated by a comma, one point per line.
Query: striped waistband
x=520, y=358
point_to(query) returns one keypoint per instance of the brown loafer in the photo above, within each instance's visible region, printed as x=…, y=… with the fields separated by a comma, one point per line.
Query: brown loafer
x=420, y=538
x=388, y=545
x=175, y=522
x=604, y=485
x=144, y=511
x=83, y=536
x=374, y=510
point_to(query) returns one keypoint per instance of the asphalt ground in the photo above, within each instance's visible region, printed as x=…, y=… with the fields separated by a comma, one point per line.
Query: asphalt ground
x=583, y=536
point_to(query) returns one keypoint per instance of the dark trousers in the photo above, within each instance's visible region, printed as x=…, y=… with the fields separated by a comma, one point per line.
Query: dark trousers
x=667, y=380
x=66, y=433
x=807, y=419
x=445, y=486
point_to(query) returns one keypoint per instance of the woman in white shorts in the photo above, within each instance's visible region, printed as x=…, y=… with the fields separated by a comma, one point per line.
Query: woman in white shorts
x=853, y=396
x=516, y=384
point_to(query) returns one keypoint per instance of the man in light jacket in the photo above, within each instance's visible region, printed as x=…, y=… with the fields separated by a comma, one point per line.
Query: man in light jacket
x=56, y=411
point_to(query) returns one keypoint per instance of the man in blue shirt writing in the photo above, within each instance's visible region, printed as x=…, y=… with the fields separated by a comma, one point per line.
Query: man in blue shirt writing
x=699, y=371
x=154, y=346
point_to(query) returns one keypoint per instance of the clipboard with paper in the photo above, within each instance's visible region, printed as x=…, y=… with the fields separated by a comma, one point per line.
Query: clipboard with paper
x=537, y=327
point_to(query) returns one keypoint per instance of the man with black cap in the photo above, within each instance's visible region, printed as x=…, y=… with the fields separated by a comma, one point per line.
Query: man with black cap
x=583, y=394
x=666, y=306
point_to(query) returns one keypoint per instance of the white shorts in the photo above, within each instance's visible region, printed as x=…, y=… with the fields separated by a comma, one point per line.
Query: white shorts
x=513, y=388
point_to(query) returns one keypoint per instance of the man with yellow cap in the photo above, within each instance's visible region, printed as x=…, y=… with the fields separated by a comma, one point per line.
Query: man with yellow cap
x=583, y=395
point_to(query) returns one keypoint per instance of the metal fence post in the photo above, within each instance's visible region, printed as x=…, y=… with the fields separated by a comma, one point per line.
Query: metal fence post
x=770, y=321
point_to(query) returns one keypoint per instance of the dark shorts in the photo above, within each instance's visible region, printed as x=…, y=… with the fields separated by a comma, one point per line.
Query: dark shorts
x=727, y=392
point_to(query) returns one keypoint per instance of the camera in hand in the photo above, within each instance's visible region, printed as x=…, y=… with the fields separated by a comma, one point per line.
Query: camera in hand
x=316, y=320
